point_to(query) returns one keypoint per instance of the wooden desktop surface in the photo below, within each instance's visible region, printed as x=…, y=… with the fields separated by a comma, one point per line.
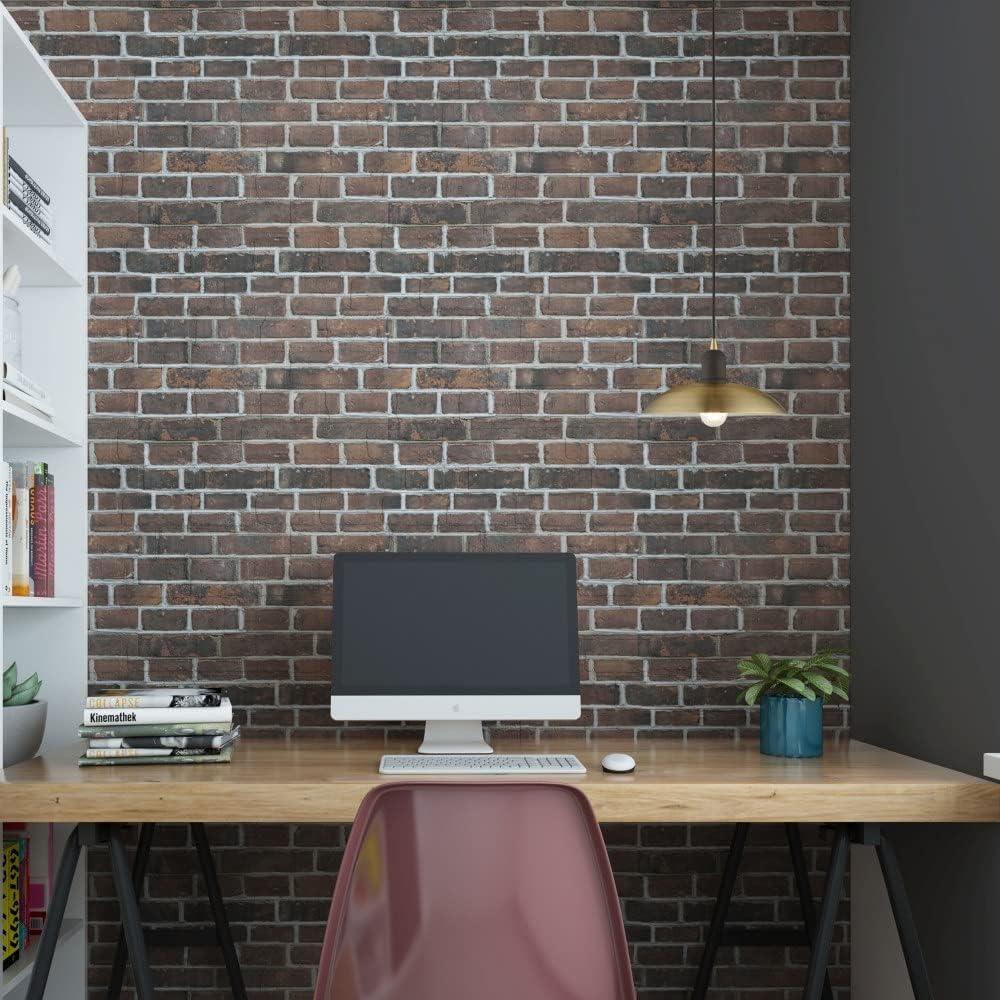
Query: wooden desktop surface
x=693, y=781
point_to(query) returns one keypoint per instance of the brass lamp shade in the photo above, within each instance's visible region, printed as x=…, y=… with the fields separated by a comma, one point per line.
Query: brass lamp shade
x=695, y=398
x=714, y=395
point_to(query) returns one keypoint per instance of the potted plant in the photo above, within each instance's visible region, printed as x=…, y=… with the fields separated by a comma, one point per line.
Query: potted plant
x=791, y=695
x=23, y=717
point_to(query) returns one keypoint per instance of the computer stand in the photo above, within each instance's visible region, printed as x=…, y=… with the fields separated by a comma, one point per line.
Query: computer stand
x=454, y=736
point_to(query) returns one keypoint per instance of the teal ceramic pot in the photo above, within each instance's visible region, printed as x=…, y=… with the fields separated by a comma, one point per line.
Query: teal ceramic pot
x=791, y=727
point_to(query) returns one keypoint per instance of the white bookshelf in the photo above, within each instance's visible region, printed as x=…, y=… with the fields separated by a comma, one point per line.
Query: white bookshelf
x=49, y=138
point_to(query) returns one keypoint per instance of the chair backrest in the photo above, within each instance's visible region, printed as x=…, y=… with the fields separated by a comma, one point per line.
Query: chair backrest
x=497, y=891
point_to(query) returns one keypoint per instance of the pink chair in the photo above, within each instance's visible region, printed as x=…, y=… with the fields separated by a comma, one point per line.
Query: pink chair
x=475, y=891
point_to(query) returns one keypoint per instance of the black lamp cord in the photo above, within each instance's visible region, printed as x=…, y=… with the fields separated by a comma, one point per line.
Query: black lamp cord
x=715, y=344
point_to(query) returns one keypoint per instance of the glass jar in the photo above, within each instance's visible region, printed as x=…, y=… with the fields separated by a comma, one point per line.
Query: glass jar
x=12, y=332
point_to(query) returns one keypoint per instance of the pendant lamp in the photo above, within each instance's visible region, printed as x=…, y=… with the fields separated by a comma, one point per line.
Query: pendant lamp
x=713, y=397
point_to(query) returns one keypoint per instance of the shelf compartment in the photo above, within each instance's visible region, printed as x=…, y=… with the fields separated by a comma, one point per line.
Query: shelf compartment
x=19, y=973
x=24, y=429
x=38, y=263
x=42, y=602
x=32, y=94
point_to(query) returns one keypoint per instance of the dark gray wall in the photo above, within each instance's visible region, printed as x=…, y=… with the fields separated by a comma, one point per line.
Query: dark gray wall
x=926, y=466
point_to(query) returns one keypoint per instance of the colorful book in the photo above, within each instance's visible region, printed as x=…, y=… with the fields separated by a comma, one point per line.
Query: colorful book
x=21, y=583
x=165, y=742
x=50, y=534
x=157, y=698
x=224, y=756
x=147, y=716
x=38, y=530
x=10, y=928
x=172, y=729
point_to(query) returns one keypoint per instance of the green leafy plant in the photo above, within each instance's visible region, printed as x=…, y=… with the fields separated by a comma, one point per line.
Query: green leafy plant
x=820, y=676
x=19, y=694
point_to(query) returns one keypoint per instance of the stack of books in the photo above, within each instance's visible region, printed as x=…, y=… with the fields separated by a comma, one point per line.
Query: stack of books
x=29, y=523
x=24, y=883
x=27, y=393
x=159, y=726
x=27, y=200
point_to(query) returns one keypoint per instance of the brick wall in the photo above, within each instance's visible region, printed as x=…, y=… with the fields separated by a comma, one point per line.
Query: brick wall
x=400, y=277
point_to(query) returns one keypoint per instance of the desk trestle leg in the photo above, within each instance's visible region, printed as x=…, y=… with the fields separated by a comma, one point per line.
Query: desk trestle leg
x=90, y=834
x=181, y=936
x=817, y=932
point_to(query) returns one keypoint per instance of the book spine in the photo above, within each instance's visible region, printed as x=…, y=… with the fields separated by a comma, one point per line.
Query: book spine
x=24, y=856
x=40, y=550
x=163, y=742
x=18, y=202
x=33, y=499
x=11, y=916
x=150, y=700
x=37, y=207
x=21, y=584
x=43, y=406
x=16, y=378
x=8, y=533
x=152, y=716
x=27, y=178
x=97, y=754
x=155, y=729
x=50, y=535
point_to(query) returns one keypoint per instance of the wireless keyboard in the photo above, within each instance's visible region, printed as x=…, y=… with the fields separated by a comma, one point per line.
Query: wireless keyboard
x=499, y=763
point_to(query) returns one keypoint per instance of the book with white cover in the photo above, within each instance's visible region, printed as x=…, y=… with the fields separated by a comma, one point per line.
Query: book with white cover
x=15, y=395
x=156, y=698
x=16, y=378
x=165, y=742
x=146, y=716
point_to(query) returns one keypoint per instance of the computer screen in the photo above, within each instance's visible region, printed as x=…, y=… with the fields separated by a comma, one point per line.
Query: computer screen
x=454, y=624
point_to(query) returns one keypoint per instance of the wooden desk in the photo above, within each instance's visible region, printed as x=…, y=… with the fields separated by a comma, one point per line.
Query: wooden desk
x=854, y=787
x=698, y=781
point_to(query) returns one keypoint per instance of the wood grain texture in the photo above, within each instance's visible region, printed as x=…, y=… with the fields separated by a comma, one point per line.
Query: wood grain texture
x=693, y=781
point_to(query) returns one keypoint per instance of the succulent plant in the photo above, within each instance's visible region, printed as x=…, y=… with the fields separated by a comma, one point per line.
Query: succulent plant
x=19, y=694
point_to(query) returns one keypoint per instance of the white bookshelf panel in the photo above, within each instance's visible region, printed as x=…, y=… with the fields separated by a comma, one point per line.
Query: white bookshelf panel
x=48, y=136
x=40, y=100
x=43, y=602
x=24, y=429
x=38, y=263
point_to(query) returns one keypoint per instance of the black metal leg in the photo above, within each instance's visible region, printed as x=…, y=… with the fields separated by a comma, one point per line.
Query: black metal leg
x=131, y=921
x=117, y=979
x=53, y=922
x=718, y=923
x=905, y=924
x=808, y=907
x=222, y=928
x=823, y=939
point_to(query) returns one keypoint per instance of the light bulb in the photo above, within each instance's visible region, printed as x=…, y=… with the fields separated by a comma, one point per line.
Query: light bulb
x=713, y=419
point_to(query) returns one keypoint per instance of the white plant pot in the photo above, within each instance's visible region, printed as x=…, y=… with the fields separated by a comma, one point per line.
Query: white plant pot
x=23, y=729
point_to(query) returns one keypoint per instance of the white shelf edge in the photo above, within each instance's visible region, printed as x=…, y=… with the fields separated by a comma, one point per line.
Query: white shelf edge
x=42, y=602
x=66, y=277
x=991, y=766
x=17, y=975
x=42, y=65
x=53, y=434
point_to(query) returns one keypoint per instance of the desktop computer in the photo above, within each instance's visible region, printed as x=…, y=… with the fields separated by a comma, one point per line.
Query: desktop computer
x=451, y=639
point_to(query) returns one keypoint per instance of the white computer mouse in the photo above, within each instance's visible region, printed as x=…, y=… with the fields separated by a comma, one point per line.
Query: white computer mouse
x=618, y=763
